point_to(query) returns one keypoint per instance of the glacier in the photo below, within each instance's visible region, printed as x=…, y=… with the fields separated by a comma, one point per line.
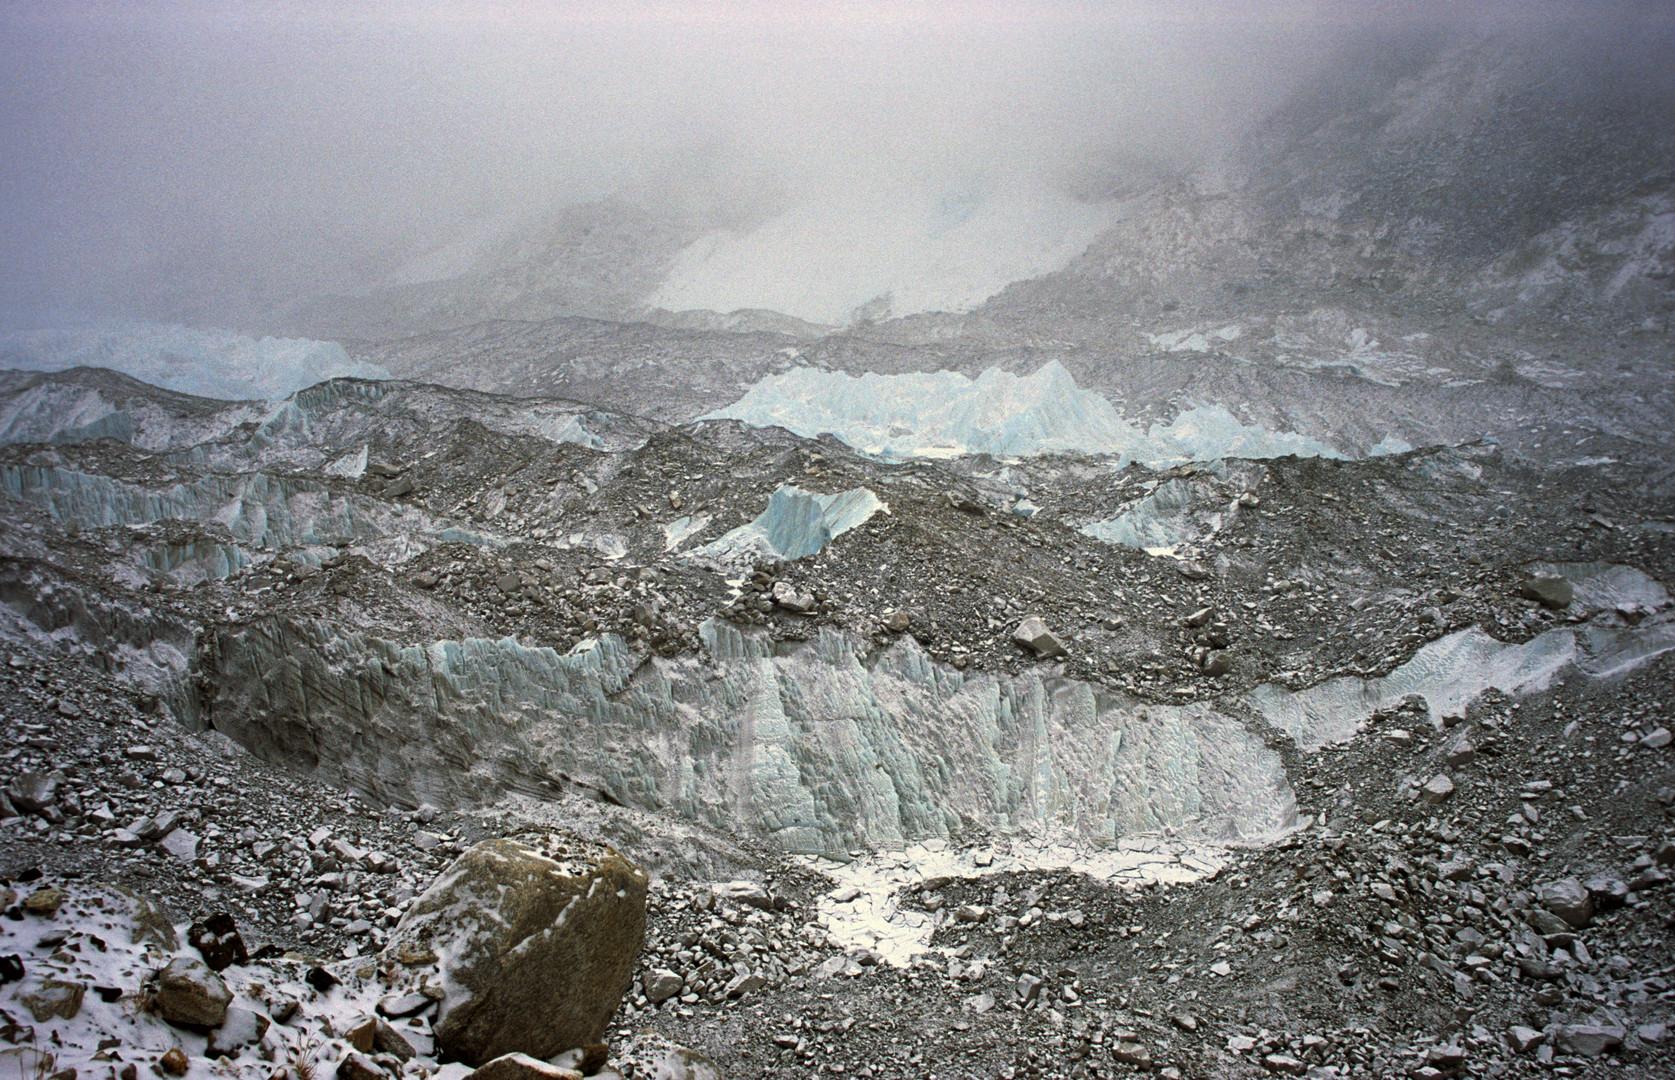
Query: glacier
x=945, y=414
x=220, y=364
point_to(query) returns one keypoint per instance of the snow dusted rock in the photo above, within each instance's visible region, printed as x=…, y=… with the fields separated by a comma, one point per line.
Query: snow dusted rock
x=189, y=993
x=522, y=1067
x=534, y=948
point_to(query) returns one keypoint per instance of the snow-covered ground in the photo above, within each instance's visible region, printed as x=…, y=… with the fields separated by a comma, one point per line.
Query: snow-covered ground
x=209, y=363
x=865, y=910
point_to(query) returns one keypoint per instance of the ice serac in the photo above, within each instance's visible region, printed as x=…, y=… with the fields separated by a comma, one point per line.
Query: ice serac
x=945, y=414
x=815, y=746
x=795, y=524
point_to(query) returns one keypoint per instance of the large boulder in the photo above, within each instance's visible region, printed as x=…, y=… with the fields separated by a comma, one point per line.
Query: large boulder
x=534, y=943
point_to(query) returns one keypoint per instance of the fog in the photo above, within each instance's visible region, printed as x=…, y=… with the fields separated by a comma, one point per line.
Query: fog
x=316, y=147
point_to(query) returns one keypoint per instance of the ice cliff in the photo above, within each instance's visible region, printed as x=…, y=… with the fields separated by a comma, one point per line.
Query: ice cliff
x=814, y=746
x=945, y=414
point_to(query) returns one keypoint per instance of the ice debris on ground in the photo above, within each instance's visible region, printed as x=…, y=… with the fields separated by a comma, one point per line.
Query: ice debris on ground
x=864, y=909
x=218, y=364
x=945, y=414
x=796, y=523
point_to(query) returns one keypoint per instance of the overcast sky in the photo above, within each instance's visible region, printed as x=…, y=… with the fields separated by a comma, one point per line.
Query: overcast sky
x=311, y=133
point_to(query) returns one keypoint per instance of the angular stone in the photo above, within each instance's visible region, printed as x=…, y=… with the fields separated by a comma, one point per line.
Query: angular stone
x=191, y=994
x=1589, y=1040
x=218, y=942
x=1549, y=592
x=1437, y=790
x=1132, y=1053
x=54, y=999
x=522, y=1067
x=1283, y=1063
x=33, y=792
x=661, y=985
x=538, y=950
x=397, y=1008
x=1657, y=740
x=1608, y=892
x=1569, y=900
x=1524, y=1039
x=790, y=598
x=744, y=892
x=357, y=1066
x=182, y=845
x=1033, y=634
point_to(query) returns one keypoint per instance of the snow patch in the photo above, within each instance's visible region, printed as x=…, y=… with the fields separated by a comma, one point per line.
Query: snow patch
x=875, y=920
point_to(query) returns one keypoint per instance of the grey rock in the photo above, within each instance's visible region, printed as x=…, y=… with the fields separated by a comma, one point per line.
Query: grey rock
x=1132, y=1053
x=33, y=792
x=1462, y=751
x=1608, y=892
x=181, y=844
x=160, y=826
x=1569, y=900
x=1524, y=1039
x=1549, y=592
x=1589, y=1040
x=1437, y=790
x=404, y=1005
x=191, y=994
x=1033, y=634
x=522, y=1067
x=744, y=892
x=1656, y=740
x=661, y=985
x=791, y=598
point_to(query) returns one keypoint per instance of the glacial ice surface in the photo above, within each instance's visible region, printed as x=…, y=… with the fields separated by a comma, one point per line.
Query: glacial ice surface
x=796, y=523
x=218, y=364
x=946, y=414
